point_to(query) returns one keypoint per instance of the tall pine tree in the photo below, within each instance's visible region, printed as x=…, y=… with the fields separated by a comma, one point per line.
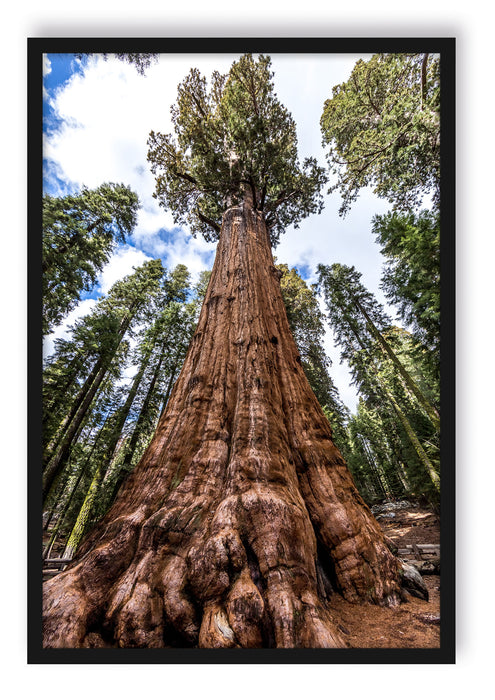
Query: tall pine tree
x=124, y=306
x=79, y=234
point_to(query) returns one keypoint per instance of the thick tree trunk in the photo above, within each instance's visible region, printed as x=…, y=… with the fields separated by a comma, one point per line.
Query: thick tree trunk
x=241, y=507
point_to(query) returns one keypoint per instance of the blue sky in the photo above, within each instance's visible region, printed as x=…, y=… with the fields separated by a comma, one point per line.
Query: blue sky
x=97, y=117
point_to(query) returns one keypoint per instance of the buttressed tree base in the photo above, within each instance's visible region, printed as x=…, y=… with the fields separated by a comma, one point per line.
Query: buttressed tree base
x=242, y=517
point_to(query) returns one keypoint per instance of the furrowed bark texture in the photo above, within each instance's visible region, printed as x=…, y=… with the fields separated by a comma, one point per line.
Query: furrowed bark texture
x=241, y=516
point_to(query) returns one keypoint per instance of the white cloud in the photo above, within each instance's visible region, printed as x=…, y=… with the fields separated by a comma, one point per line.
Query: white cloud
x=120, y=264
x=108, y=112
x=47, y=69
x=303, y=82
x=47, y=66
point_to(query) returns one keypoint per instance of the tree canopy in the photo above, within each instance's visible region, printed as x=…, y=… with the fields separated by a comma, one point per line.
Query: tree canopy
x=233, y=137
x=80, y=232
x=411, y=277
x=382, y=127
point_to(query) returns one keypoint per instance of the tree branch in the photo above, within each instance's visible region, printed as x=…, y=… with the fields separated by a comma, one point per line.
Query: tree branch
x=206, y=220
x=423, y=80
x=263, y=196
x=253, y=192
x=283, y=197
x=186, y=176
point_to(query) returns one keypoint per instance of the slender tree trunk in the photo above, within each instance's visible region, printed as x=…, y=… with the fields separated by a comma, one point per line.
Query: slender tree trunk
x=71, y=493
x=172, y=378
x=122, y=413
x=431, y=411
x=55, y=531
x=57, y=462
x=51, y=400
x=403, y=476
x=110, y=453
x=382, y=487
x=131, y=446
x=60, y=480
x=70, y=423
x=425, y=461
x=423, y=457
x=84, y=515
x=212, y=540
x=51, y=448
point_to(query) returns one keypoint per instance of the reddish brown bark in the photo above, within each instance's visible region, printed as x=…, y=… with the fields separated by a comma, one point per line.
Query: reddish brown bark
x=242, y=507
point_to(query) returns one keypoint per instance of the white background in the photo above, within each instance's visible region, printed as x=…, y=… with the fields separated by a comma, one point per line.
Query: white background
x=472, y=27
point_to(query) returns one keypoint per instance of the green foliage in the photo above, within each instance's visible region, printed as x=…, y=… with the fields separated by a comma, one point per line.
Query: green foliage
x=359, y=323
x=385, y=368
x=401, y=440
x=411, y=278
x=233, y=138
x=91, y=339
x=201, y=287
x=130, y=299
x=79, y=234
x=383, y=130
x=113, y=318
x=419, y=479
x=373, y=461
x=343, y=292
x=159, y=358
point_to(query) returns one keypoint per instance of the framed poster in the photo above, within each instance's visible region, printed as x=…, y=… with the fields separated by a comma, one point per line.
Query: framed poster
x=241, y=254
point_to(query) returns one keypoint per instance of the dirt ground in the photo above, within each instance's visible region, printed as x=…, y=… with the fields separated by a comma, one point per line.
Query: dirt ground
x=415, y=623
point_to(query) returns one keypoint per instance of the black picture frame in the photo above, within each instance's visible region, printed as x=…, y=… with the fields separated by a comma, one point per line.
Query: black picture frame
x=445, y=46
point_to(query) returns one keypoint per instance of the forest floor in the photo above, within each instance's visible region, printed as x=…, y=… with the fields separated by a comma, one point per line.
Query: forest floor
x=415, y=623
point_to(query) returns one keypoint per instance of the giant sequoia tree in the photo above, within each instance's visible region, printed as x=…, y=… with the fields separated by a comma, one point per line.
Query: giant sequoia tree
x=241, y=517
